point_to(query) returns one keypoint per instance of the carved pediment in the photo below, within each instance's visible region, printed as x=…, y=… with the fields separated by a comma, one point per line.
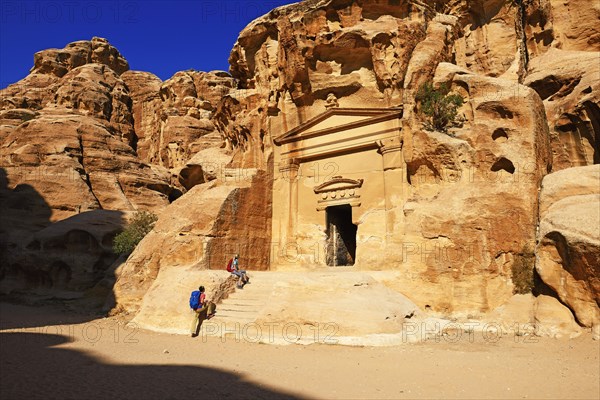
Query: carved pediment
x=338, y=119
x=338, y=191
x=338, y=183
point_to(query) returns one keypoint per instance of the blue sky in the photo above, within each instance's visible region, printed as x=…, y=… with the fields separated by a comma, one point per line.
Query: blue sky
x=161, y=37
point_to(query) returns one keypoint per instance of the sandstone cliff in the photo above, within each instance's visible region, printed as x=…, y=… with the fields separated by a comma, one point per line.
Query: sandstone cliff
x=373, y=54
x=68, y=147
x=469, y=208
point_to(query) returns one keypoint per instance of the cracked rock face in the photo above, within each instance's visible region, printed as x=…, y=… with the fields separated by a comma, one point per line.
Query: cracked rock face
x=173, y=119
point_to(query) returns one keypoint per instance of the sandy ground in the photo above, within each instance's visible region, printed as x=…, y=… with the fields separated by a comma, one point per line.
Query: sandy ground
x=48, y=353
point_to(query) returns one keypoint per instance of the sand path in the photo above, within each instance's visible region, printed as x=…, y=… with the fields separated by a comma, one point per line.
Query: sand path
x=47, y=353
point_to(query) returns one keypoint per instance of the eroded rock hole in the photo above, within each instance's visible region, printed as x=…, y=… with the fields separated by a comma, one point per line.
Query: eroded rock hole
x=78, y=240
x=191, y=176
x=500, y=135
x=332, y=15
x=174, y=195
x=422, y=171
x=504, y=164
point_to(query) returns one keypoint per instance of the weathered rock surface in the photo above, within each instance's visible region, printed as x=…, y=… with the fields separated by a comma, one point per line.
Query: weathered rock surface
x=567, y=82
x=553, y=319
x=66, y=140
x=569, y=239
x=202, y=230
x=173, y=118
x=447, y=248
x=164, y=307
x=70, y=255
x=60, y=61
x=206, y=165
x=526, y=315
x=562, y=24
x=346, y=303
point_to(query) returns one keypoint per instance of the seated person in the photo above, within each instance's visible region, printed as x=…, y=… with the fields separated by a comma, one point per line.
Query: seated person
x=233, y=267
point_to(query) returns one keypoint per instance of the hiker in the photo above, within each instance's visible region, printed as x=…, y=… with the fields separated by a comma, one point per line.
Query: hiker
x=199, y=304
x=233, y=267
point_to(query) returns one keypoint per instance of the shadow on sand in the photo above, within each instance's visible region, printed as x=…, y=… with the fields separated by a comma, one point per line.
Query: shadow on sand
x=54, y=372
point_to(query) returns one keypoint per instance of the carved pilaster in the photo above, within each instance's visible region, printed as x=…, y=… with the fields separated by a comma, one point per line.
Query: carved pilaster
x=289, y=170
x=393, y=185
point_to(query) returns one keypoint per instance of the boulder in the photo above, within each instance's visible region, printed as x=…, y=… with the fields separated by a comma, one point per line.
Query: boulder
x=165, y=307
x=569, y=240
x=553, y=319
x=207, y=165
x=524, y=315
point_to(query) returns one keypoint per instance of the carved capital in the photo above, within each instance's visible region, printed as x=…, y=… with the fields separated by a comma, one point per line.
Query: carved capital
x=291, y=165
x=391, y=150
x=289, y=169
x=390, y=145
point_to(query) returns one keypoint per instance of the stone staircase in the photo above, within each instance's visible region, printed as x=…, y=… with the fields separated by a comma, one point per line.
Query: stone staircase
x=236, y=316
x=243, y=305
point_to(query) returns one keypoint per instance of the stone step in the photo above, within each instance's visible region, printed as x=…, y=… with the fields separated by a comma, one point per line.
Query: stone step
x=233, y=312
x=251, y=295
x=248, y=307
x=244, y=305
x=241, y=303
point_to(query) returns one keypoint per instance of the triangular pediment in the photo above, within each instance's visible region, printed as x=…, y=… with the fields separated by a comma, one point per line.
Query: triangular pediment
x=338, y=119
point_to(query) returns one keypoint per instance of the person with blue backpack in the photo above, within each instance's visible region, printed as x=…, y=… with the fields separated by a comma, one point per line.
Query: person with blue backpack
x=199, y=304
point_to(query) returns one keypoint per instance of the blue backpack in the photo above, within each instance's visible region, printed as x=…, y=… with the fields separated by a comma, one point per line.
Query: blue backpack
x=195, y=300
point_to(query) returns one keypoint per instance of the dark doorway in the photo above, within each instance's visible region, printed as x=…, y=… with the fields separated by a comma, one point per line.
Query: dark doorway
x=341, y=236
